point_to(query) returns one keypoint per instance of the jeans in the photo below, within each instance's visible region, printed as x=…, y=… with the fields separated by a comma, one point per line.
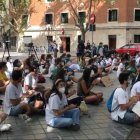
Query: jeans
x=129, y=118
x=70, y=117
x=16, y=110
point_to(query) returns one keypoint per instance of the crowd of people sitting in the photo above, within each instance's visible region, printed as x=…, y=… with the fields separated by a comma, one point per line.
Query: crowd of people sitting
x=24, y=95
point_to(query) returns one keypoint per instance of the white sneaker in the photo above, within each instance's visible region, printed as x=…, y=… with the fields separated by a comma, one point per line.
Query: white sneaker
x=5, y=127
x=25, y=117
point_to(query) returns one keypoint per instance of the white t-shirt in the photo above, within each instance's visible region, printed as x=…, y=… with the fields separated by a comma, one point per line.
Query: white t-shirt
x=137, y=60
x=108, y=61
x=74, y=66
x=120, y=97
x=12, y=92
x=121, y=67
x=135, y=89
x=30, y=81
x=9, y=67
x=114, y=62
x=54, y=103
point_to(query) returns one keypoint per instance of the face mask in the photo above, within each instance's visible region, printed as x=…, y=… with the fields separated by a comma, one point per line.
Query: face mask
x=62, y=90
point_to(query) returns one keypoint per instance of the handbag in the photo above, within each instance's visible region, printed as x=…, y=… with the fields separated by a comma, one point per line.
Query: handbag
x=83, y=107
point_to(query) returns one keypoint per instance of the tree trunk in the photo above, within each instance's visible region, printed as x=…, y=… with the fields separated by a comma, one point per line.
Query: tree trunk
x=18, y=44
x=83, y=35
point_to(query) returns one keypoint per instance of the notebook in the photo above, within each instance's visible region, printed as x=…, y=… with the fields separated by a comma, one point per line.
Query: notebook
x=72, y=97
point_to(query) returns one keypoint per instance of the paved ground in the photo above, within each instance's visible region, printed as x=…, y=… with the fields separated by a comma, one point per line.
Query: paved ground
x=97, y=126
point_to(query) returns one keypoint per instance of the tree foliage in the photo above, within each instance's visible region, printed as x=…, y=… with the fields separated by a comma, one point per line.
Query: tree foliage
x=91, y=6
x=13, y=13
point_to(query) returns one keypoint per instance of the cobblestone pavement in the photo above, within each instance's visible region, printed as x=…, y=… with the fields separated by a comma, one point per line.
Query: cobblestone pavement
x=96, y=126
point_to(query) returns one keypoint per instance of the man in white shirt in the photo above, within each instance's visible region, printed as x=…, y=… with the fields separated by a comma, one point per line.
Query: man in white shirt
x=135, y=91
x=30, y=81
x=13, y=105
x=121, y=67
x=121, y=103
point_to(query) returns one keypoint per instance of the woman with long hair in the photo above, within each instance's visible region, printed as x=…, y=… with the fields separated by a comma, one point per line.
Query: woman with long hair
x=58, y=113
x=84, y=89
x=42, y=60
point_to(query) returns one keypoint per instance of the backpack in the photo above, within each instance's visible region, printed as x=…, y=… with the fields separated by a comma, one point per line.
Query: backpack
x=109, y=102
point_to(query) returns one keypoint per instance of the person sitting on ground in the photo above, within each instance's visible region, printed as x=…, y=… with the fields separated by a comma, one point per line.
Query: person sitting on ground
x=45, y=69
x=97, y=76
x=52, y=65
x=42, y=63
x=4, y=127
x=115, y=62
x=17, y=65
x=68, y=58
x=30, y=87
x=4, y=81
x=121, y=104
x=121, y=67
x=58, y=113
x=84, y=89
x=137, y=76
x=131, y=69
x=13, y=100
x=58, y=66
x=27, y=65
x=42, y=59
x=135, y=90
x=137, y=58
x=62, y=74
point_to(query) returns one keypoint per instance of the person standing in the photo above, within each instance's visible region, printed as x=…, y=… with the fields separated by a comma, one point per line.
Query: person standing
x=94, y=50
x=55, y=49
x=80, y=51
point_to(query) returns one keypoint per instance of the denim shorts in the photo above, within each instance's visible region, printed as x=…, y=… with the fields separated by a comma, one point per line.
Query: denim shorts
x=16, y=110
x=129, y=118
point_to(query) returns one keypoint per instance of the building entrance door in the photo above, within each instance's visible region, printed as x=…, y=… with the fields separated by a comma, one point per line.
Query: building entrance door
x=112, y=41
x=65, y=44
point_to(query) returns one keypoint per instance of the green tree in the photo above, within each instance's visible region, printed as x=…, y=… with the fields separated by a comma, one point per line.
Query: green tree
x=14, y=15
x=91, y=8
